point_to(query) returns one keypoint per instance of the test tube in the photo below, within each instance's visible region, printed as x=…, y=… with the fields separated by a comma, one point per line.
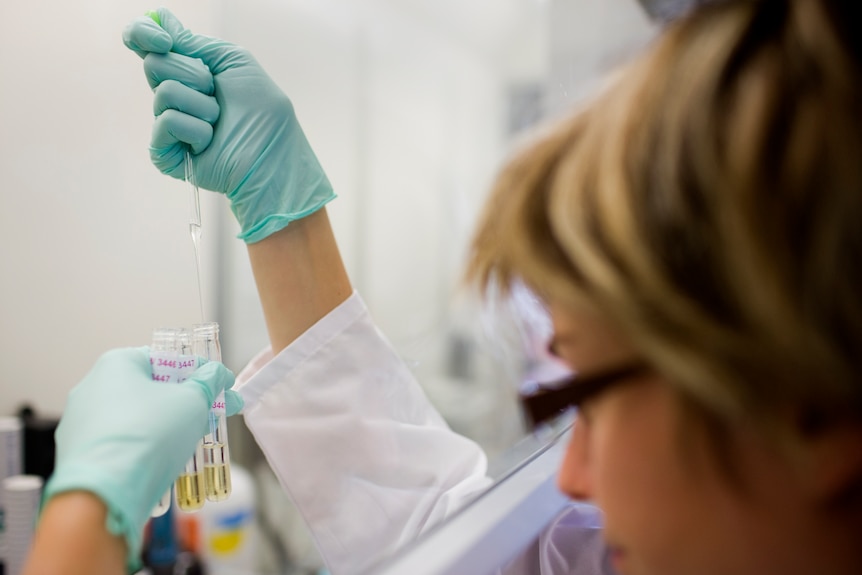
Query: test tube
x=190, y=485
x=163, y=345
x=205, y=343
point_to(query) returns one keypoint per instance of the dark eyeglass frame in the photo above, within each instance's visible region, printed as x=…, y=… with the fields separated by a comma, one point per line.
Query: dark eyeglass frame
x=543, y=402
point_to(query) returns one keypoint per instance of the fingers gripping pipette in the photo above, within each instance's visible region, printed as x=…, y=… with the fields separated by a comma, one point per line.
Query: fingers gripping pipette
x=195, y=223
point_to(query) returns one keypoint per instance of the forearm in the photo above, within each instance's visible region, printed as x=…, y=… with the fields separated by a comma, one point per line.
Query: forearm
x=300, y=277
x=72, y=539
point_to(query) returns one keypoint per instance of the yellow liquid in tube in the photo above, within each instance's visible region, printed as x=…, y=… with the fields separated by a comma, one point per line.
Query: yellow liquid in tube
x=189, y=488
x=217, y=481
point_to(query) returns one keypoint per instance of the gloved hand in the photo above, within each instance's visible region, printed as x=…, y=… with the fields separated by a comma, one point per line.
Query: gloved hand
x=213, y=96
x=126, y=437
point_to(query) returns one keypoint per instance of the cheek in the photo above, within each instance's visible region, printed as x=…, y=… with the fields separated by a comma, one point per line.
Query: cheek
x=664, y=507
x=620, y=463
x=638, y=478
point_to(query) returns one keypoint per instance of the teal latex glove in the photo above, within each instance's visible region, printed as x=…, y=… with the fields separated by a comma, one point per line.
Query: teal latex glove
x=213, y=96
x=126, y=437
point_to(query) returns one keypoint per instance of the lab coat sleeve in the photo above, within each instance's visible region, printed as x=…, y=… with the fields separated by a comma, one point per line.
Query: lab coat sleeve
x=369, y=463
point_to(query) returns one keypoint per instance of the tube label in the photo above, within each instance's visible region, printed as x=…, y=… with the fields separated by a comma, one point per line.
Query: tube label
x=172, y=367
x=218, y=407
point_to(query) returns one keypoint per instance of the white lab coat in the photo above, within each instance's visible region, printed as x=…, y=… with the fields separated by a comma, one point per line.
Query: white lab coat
x=352, y=438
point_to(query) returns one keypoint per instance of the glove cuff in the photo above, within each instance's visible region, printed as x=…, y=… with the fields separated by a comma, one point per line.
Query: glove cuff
x=277, y=222
x=280, y=192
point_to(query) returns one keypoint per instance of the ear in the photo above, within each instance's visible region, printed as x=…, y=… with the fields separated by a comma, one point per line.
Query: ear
x=832, y=459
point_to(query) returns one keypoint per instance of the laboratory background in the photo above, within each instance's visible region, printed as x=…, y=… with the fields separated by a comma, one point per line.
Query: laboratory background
x=410, y=105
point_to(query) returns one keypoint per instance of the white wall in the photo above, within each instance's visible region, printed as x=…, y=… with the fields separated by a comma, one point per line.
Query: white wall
x=95, y=250
x=403, y=108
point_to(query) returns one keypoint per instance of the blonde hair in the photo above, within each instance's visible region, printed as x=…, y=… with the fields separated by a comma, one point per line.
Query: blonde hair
x=710, y=205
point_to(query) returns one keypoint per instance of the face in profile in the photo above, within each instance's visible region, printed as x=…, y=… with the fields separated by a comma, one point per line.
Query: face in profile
x=670, y=507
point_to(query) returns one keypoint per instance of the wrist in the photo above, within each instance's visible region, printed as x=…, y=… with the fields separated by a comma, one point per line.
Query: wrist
x=72, y=537
x=120, y=518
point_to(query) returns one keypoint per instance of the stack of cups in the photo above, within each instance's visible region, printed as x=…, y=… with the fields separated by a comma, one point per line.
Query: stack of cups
x=21, y=496
x=11, y=462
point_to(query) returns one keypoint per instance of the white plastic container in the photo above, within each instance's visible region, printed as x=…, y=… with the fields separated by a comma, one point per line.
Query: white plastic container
x=21, y=496
x=11, y=464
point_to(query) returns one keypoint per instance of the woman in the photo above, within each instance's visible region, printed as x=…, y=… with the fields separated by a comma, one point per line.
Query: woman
x=695, y=235
x=699, y=224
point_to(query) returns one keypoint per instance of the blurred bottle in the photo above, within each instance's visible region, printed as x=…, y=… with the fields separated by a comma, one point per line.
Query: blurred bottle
x=228, y=530
x=160, y=550
x=163, y=554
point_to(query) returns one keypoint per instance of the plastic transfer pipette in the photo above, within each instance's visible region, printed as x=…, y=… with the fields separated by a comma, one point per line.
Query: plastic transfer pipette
x=195, y=223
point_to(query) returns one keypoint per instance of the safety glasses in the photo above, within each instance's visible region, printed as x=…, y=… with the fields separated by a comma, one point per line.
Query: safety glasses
x=542, y=402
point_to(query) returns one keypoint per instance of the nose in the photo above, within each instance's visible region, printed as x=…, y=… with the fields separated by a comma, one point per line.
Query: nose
x=573, y=478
